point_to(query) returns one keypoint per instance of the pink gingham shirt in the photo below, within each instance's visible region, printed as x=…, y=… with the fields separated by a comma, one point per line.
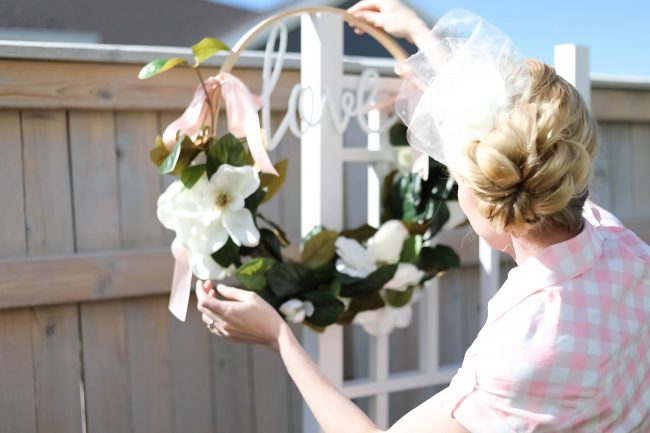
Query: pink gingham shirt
x=566, y=346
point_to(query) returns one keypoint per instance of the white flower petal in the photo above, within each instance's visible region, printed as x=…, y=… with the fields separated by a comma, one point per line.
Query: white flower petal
x=293, y=310
x=383, y=320
x=354, y=260
x=407, y=274
x=238, y=181
x=386, y=245
x=241, y=227
x=309, y=308
x=205, y=268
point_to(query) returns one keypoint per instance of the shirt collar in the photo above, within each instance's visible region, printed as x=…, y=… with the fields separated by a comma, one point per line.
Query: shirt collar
x=556, y=263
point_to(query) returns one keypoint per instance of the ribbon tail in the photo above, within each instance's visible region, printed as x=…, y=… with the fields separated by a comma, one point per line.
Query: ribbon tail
x=192, y=118
x=241, y=109
x=181, y=281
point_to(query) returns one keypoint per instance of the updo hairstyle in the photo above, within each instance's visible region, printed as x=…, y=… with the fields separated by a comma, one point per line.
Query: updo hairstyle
x=533, y=170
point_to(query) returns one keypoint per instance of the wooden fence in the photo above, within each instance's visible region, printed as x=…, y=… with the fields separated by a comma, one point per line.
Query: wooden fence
x=86, y=342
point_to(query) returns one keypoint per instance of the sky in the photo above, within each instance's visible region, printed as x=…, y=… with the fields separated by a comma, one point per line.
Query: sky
x=616, y=32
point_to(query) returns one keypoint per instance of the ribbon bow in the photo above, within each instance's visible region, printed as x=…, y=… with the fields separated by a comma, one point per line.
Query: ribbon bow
x=241, y=111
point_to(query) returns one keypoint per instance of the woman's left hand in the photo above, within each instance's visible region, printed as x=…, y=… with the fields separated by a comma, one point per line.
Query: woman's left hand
x=242, y=316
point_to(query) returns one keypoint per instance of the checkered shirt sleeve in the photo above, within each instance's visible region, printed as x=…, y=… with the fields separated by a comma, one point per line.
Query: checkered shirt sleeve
x=566, y=346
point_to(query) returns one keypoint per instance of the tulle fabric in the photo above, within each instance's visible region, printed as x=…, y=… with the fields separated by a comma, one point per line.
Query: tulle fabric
x=456, y=89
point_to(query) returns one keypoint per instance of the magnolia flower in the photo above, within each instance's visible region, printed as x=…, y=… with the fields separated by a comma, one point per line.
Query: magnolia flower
x=406, y=275
x=384, y=247
x=383, y=320
x=353, y=258
x=209, y=213
x=296, y=310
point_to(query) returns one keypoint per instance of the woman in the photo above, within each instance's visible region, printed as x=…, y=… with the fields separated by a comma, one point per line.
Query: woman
x=566, y=347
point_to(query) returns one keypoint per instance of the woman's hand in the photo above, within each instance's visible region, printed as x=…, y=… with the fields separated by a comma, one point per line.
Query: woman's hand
x=391, y=16
x=242, y=316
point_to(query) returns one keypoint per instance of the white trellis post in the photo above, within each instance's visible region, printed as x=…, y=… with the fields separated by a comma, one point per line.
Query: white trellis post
x=322, y=171
x=572, y=63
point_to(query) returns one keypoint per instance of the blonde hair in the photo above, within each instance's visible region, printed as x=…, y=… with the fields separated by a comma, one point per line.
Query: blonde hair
x=533, y=170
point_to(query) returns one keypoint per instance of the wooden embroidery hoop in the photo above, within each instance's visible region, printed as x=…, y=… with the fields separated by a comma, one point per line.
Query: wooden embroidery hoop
x=387, y=41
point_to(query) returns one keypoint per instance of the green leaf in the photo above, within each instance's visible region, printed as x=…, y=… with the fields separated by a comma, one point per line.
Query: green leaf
x=411, y=249
x=230, y=150
x=320, y=275
x=159, y=153
x=327, y=308
x=271, y=243
x=227, y=255
x=398, y=135
x=372, y=283
x=360, y=234
x=286, y=279
x=319, y=249
x=159, y=66
x=277, y=230
x=334, y=287
x=252, y=275
x=192, y=174
x=206, y=48
x=396, y=299
x=254, y=200
x=273, y=183
x=372, y=301
x=438, y=259
x=180, y=157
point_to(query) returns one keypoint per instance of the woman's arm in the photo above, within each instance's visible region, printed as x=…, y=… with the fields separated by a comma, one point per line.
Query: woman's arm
x=243, y=316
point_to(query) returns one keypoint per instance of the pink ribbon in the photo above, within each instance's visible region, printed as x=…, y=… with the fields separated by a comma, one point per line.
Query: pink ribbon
x=241, y=111
x=181, y=281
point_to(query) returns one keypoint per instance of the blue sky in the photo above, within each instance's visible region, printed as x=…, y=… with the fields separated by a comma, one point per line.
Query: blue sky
x=617, y=32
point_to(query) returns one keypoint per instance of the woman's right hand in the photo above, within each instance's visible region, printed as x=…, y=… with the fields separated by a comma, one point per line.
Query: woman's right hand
x=391, y=16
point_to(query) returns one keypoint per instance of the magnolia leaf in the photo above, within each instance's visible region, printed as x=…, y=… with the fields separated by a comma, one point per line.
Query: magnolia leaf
x=277, y=230
x=252, y=275
x=286, y=279
x=372, y=301
x=271, y=243
x=206, y=48
x=397, y=135
x=321, y=275
x=411, y=249
x=319, y=249
x=254, y=200
x=180, y=157
x=360, y=234
x=230, y=150
x=327, y=308
x=438, y=259
x=334, y=287
x=159, y=66
x=372, y=283
x=159, y=153
x=192, y=174
x=397, y=299
x=227, y=255
x=273, y=183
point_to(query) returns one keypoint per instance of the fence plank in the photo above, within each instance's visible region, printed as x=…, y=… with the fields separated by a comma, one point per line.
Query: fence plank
x=232, y=386
x=48, y=202
x=92, y=148
x=191, y=373
x=106, y=367
x=54, y=330
x=12, y=218
x=139, y=180
x=270, y=382
x=148, y=346
x=641, y=159
x=17, y=401
x=104, y=339
x=114, y=86
x=57, y=369
x=620, y=105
